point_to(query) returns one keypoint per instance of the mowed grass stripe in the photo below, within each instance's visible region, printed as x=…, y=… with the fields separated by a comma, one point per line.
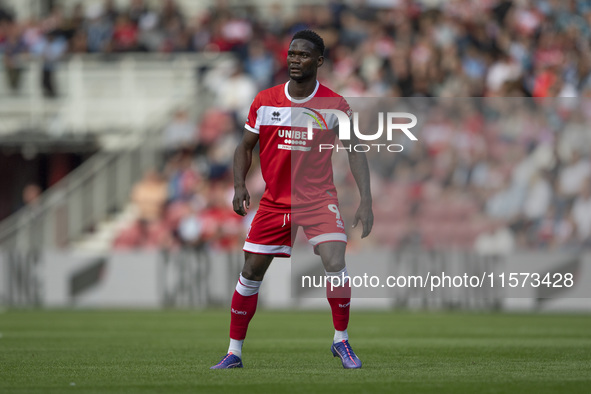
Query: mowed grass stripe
x=288, y=352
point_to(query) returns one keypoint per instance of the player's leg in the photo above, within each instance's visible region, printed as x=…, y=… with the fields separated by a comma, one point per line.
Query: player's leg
x=338, y=293
x=245, y=298
x=268, y=237
x=244, y=305
x=325, y=230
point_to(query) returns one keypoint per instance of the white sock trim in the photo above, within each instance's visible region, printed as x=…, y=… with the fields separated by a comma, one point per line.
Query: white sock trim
x=341, y=274
x=236, y=347
x=340, y=336
x=247, y=287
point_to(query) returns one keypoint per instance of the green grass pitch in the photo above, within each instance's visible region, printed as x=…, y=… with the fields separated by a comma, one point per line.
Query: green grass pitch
x=402, y=352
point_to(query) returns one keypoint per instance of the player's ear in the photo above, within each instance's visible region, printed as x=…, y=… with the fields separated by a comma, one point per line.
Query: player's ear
x=320, y=60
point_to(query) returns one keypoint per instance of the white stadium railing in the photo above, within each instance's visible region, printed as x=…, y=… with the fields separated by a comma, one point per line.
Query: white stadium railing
x=98, y=94
x=128, y=99
x=88, y=195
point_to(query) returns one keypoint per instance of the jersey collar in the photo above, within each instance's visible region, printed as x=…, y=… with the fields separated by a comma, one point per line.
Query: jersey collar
x=301, y=100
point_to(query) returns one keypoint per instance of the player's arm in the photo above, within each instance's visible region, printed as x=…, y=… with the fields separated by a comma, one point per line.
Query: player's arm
x=360, y=170
x=242, y=162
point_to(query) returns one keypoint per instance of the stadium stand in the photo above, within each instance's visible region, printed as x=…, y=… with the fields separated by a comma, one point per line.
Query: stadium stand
x=517, y=164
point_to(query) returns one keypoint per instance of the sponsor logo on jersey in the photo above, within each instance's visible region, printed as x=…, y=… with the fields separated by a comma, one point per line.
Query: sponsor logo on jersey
x=276, y=116
x=293, y=140
x=292, y=147
x=293, y=134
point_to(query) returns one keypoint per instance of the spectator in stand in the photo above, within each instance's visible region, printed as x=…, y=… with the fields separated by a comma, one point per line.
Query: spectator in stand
x=171, y=12
x=73, y=30
x=504, y=69
x=538, y=201
x=221, y=227
x=190, y=230
x=54, y=20
x=220, y=156
x=99, y=30
x=570, y=179
x=581, y=214
x=125, y=35
x=137, y=10
x=576, y=132
x=76, y=21
x=236, y=92
x=79, y=42
x=183, y=178
x=110, y=12
x=31, y=195
x=149, y=230
x=551, y=232
x=496, y=240
x=31, y=198
x=175, y=37
x=539, y=197
x=149, y=196
x=144, y=235
x=50, y=49
x=15, y=53
x=179, y=134
x=215, y=124
x=200, y=33
x=259, y=64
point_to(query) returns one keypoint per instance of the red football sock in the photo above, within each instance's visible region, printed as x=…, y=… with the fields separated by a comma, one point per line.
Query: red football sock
x=243, y=309
x=339, y=299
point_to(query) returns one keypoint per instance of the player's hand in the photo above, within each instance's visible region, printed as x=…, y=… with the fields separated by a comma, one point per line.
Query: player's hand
x=365, y=214
x=241, y=201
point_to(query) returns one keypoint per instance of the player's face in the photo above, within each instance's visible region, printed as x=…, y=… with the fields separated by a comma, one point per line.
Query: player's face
x=303, y=60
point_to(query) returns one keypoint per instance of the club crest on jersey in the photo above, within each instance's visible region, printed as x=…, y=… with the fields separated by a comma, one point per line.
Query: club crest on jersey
x=318, y=118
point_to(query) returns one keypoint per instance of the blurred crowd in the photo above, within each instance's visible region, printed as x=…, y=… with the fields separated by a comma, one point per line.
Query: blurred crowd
x=494, y=175
x=490, y=174
x=460, y=48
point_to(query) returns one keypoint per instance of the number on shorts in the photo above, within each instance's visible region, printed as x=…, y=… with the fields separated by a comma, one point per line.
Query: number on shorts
x=335, y=209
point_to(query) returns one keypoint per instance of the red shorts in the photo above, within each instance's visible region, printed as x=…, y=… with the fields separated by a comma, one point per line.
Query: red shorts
x=273, y=233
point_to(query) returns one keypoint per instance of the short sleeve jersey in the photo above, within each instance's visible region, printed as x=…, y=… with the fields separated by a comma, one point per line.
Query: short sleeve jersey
x=297, y=172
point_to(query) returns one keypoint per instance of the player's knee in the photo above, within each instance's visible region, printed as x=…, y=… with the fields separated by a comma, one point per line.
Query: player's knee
x=334, y=265
x=333, y=262
x=251, y=273
x=254, y=267
x=333, y=256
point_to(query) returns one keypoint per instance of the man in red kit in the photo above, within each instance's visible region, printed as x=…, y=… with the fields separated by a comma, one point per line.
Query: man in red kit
x=299, y=193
